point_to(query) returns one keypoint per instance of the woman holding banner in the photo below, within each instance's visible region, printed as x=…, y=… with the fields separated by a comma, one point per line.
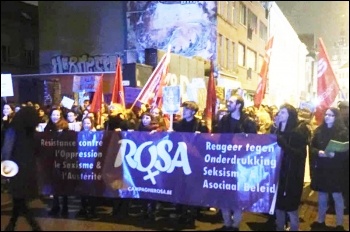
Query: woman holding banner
x=57, y=123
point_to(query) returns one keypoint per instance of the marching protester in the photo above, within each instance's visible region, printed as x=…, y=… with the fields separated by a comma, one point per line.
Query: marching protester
x=20, y=147
x=116, y=121
x=7, y=116
x=88, y=203
x=149, y=123
x=235, y=121
x=328, y=171
x=57, y=123
x=189, y=123
x=292, y=137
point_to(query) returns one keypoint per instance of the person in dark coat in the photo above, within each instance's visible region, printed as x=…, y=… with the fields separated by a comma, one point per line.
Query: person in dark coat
x=57, y=124
x=328, y=172
x=292, y=137
x=235, y=121
x=20, y=147
x=188, y=123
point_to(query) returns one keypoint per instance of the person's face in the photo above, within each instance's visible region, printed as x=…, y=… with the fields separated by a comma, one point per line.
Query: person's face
x=155, y=112
x=329, y=117
x=283, y=115
x=87, y=125
x=146, y=120
x=232, y=105
x=71, y=117
x=41, y=112
x=7, y=110
x=187, y=113
x=85, y=113
x=86, y=104
x=55, y=116
x=36, y=106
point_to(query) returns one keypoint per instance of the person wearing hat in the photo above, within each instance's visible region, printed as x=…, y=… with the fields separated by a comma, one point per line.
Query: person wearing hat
x=188, y=123
x=20, y=147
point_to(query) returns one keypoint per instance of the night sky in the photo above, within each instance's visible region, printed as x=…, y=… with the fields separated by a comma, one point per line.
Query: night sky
x=324, y=19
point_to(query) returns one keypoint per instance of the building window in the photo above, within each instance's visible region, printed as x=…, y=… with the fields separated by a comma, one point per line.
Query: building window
x=219, y=45
x=5, y=54
x=243, y=14
x=223, y=55
x=252, y=22
x=231, y=52
x=263, y=31
x=251, y=59
x=29, y=57
x=241, y=54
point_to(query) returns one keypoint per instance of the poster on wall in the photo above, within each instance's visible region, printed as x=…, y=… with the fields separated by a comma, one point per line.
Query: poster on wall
x=85, y=83
x=6, y=85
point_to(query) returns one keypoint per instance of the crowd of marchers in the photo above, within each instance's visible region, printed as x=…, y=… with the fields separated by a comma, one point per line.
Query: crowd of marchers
x=297, y=132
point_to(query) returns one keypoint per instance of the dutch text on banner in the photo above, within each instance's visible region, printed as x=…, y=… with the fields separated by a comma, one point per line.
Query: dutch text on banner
x=196, y=169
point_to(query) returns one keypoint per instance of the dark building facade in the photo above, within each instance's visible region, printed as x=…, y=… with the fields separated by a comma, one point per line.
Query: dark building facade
x=19, y=38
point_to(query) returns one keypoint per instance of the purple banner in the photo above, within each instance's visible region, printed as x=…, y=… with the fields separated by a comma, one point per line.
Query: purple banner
x=215, y=170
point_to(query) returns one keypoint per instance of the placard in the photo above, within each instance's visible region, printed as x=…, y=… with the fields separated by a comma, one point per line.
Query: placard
x=6, y=85
x=67, y=102
x=171, y=99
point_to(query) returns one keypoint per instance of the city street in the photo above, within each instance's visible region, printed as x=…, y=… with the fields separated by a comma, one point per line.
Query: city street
x=165, y=220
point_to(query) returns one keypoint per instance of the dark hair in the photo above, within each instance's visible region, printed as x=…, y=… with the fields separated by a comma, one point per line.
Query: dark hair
x=292, y=121
x=190, y=105
x=239, y=100
x=62, y=124
x=338, y=121
x=91, y=120
x=26, y=118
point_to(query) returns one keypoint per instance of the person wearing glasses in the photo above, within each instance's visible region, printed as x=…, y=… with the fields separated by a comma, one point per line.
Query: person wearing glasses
x=328, y=170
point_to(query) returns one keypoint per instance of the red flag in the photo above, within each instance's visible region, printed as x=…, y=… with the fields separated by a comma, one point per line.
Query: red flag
x=158, y=97
x=150, y=90
x=211, y=99
x=96, y=103
x=327, y=85
x=260, y=91
x=118, y=88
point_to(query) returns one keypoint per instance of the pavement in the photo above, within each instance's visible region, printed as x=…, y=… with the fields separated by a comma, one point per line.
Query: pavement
x=132, y=221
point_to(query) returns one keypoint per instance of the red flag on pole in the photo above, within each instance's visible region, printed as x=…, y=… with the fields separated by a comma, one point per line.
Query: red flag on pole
x=327, y=85
x=158, y=97
x=96, y=103
x=118, y=88
x=152, y=85
x=211, y=99
x=260, y=91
